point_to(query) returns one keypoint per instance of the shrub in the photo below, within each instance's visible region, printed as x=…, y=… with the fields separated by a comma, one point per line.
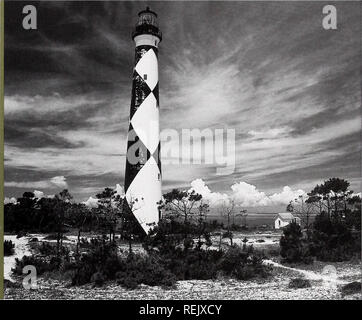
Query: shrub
x=10, y=284
x=299, y=283
x=102, y=257
x=9, y=248
x=227, y=234
x=332, y=240
x=243, y=263
x=137, y=269
x=293, y=248
x=41, y=264
x=351, y=288
x=189, y=261
x=98, y=279
x=103, y=263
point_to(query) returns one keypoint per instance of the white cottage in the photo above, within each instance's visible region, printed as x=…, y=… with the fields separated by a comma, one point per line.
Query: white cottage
x=284, y=218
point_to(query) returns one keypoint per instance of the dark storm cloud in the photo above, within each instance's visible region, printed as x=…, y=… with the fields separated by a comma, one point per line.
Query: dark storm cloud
x=269, y=70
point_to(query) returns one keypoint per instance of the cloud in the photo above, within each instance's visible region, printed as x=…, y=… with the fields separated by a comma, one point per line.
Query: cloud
x=28, y=184
x=38, y=194
x=273, y=85
x=245, y=194
x=10, y=200
x=91, y=202
x=286, y=195
x=59, y=181
x=214, y=198
x=119, y=190
x=55, y=182
x=248, y=195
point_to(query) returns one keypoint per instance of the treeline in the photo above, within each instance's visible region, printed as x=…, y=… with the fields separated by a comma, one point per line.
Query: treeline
x=180, y=247
x=335, y=233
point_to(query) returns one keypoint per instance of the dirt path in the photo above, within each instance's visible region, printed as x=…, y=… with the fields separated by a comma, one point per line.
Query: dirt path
x=21, y=249
x=327, y=275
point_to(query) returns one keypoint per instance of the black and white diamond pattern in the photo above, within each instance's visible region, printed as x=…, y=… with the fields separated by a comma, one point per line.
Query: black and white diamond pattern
x=143, y=179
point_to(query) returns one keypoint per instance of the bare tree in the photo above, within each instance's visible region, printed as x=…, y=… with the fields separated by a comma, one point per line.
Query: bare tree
x=203, y=209
x=243, y=214
x=228, y=211
x=130, y=226
x=303, y=210
x=62, y=202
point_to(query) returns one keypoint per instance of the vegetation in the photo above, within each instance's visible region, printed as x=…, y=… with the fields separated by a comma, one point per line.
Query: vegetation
x=9, y=248
x=299, y=283
x=334, y=234
x=351, y=288
x=293, y=247
x=180, y=247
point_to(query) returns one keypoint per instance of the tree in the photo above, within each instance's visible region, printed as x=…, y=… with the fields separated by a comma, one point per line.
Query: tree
x=61, y=204
x=186, y=205
x=203, y=209
x=333, y=236
x=130, y=226
x=304, y=210
x=181, y=203
x=243, y=214
x=79, y=216
x=293, y=248
x=331, y=197
x=108, y=211
x=28, y=195
x=228, y=210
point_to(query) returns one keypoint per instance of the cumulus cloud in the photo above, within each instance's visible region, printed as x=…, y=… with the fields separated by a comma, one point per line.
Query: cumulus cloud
x=213, y=198
x=10, y=200
x=38, y=194
x=286, y=195
x=59, y=181
x=248, y=195
x=91, y=202
x=245, y=194
x=119, y=190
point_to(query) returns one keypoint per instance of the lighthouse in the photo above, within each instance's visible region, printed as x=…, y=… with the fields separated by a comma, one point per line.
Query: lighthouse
x=143, y=164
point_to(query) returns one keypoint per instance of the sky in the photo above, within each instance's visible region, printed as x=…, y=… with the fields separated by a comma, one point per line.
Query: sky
x=289, y=88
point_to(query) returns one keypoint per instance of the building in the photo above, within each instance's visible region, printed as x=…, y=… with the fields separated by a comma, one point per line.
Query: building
x=143, y=164
x=284, y=218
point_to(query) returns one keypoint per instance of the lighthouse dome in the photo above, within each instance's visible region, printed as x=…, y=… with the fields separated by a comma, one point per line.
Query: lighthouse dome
x=147, y=24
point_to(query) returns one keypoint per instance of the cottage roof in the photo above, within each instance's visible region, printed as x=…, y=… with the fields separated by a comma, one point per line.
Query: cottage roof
x=286, y=216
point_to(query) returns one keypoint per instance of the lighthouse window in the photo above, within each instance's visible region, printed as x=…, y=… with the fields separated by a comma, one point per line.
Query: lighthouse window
x=145, y=76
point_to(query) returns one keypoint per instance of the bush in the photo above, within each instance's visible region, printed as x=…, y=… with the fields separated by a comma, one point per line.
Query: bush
x=98, y=279
x=137, y=269
x=102, y=257
x=293, y=248
x=351, y=288
x=299, y=283
x=190, y=261
x=333, y=241
x=243, y=263
x=103, y=263
x=41, y=264
x=9, y=248
x=13, y=285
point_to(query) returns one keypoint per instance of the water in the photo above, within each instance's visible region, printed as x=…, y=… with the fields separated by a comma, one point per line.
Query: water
x=252, y=219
